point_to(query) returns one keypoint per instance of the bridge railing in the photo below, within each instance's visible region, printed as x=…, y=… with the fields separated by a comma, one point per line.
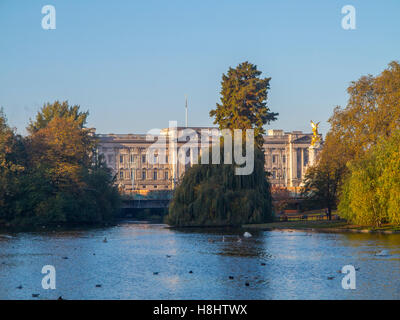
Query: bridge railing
x=152, y=195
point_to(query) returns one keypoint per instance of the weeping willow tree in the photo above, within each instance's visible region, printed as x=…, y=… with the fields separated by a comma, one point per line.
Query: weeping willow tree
x=212, y=194
x=370, y=195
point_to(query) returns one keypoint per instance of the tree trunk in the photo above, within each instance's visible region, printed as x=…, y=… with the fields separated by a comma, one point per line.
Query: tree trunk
x=329, y=213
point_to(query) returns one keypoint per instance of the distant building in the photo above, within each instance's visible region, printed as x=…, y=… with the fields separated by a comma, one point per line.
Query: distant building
x=286, y=158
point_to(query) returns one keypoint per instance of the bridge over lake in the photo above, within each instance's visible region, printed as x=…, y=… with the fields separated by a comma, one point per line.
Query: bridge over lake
x=154, y=201
x=145, y=204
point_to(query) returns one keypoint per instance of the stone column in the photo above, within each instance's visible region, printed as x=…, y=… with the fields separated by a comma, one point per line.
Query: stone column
x=290, y=162
x=294, y=163
x=312, y=155
x=173, y=152
x=302, y=163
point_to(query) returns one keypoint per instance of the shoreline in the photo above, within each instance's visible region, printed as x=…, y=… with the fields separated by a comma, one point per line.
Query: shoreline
x=16, y=228
x=335, y=226
x=54, y=227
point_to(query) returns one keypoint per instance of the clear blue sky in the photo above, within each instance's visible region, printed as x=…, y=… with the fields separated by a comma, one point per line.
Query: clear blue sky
x=132, y=62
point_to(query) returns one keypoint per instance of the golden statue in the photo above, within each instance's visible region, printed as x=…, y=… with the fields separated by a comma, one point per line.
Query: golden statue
x=316, y=139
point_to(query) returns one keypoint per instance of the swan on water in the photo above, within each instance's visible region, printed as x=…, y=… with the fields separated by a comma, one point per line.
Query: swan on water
x=382, y=253
x=247, y=234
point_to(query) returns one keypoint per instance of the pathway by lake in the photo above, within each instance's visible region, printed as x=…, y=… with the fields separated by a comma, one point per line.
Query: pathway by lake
x=149, y=261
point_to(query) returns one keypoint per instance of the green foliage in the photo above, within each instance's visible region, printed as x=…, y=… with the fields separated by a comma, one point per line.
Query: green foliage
x=94, y=200
x=370, y=117
x=371, y=192
x=372, y=113
x=12, y=165
x=213, y=195
x=321, y=186
x=54, y=174
x=243, y=101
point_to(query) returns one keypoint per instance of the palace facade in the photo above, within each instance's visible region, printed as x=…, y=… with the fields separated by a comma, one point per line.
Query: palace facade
x=287, y=156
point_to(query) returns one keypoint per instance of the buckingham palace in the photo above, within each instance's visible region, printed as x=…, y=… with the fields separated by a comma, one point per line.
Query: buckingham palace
x=287, y=156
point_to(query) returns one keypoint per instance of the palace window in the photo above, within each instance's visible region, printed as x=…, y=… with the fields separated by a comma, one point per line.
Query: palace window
x=132, y=158
x=143, y=174
x=121, y=174
x=143, y=159
x=274, y=158
x=166, y=175
x=155, y=174
x=121, y=159
x=283, y=158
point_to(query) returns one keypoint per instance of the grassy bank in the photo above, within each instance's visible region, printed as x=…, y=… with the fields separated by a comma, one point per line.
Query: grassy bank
x=323, y=226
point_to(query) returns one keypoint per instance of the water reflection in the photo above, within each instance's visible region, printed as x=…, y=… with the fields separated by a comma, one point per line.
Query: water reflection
x=147, y=261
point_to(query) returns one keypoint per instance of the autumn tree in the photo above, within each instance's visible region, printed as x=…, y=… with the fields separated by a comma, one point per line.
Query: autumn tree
x=321, y=186
x=58, y=109
x=63, y=148
x=321, y=183
x=281, y=198
x=372, y=114
x=55, y=172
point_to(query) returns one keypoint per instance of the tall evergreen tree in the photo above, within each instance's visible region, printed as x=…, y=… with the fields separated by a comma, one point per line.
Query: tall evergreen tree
x=244, y=101
x=212, y=194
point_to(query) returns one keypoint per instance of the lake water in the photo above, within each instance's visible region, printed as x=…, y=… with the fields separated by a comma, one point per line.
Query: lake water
x=297, y=264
